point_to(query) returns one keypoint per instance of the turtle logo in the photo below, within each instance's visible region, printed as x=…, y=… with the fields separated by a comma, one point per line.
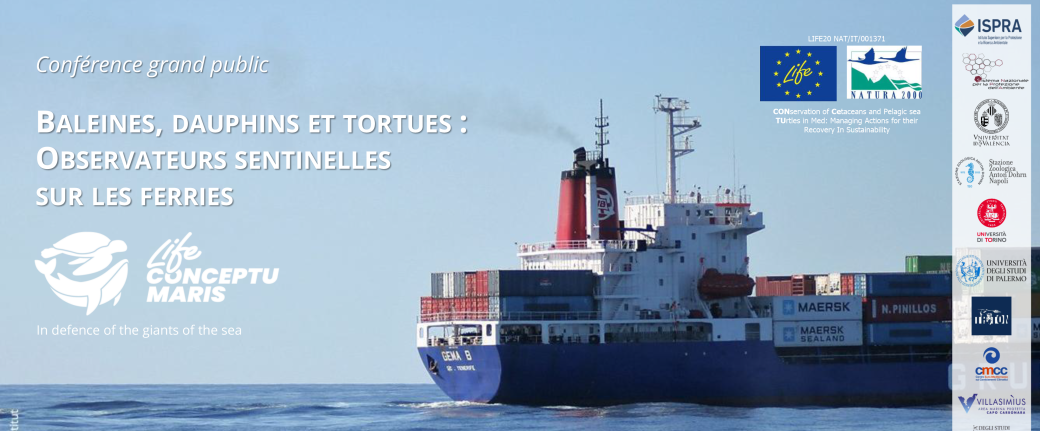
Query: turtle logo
x=93, y=253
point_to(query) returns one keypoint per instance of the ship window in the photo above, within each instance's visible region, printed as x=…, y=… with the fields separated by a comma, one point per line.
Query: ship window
x=660, y=259
x=698, y=213
x=660, y=282
x=678, y=244
x=693, y=235
x=488, y=330
x=631, y=259
x=626, y=307
x=682, y=259
x=687, y=213
x=723, y=259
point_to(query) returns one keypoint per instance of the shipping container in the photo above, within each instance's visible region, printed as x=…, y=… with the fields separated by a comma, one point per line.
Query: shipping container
x=929, y=264
x=1035, y=260
x=1036, y=330
x=819, y=333
x=900, y=284
x=471, y=284
x=823, y=285
x=803, y=285
x=773, y=286
x=833, y=307
x=848, y=284
x=908, y=309
x=482, y=283
x=891, y=334
x=541, y=283
x=1034, y=302
x=437, y=285
x=860, y=285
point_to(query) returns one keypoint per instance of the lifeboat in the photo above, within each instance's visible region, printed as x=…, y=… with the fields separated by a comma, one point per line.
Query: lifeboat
x=714, y=285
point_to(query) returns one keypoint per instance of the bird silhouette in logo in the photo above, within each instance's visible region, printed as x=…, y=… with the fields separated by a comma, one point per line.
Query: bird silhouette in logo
x=900, y=57
x=868, y=58
x=970, y=401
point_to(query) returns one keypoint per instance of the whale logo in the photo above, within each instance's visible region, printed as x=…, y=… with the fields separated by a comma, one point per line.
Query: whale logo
x=93, y=252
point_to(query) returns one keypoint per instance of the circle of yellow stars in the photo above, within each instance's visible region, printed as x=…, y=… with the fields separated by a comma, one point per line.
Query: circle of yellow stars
x=777, y=73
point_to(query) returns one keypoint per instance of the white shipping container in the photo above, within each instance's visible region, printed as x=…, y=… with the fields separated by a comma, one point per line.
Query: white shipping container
x=822, y=283
x=818, y=333
x=834, y=307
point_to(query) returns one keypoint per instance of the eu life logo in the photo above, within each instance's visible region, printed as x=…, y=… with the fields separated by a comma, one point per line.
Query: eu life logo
x=991, y=315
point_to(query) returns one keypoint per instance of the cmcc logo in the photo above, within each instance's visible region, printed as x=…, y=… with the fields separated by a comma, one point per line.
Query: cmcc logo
x=989, y=374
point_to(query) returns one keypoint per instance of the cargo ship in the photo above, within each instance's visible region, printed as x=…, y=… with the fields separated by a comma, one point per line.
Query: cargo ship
x=659, y=306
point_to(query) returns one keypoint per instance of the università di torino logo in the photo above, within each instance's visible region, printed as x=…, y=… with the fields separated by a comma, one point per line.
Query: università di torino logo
x=90, y=253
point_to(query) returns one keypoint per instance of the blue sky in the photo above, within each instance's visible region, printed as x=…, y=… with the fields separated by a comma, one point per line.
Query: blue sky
x=356, y=248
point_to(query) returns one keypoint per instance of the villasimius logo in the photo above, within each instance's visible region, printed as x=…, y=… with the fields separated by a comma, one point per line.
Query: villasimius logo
x=969, y=172
x=91, y=252
x=967, y=403
x=991, y=315
x=991, y=116
x=884, y=72
x=969, y=270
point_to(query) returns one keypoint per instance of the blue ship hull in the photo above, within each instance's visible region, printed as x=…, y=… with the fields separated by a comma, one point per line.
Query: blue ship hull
x=740, y=373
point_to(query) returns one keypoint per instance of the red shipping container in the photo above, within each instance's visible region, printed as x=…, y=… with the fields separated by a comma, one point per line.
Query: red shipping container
x=803, y=284
x=773, y=286
x=482, y=283
x=471, y=284
x=908, y=309
x=848, y=284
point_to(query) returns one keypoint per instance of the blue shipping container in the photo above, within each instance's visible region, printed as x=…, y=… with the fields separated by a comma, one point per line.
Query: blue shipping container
x=892, y=334
x=902, y=284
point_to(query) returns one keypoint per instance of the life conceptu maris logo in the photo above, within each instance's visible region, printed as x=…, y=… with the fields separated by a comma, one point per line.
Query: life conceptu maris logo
x=93, y=253
x=195, y=284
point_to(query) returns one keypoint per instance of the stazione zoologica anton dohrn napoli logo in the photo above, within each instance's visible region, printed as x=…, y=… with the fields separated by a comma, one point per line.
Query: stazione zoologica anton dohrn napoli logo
x=90, y=253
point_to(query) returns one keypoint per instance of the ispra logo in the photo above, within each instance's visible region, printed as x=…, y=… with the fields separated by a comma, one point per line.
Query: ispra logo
x=90, y=253
x=964, y=25
x=991, y=315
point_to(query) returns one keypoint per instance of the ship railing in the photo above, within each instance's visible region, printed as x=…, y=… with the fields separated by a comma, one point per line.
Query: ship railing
x=738, y=198
x=510, y=316
x=605, y=245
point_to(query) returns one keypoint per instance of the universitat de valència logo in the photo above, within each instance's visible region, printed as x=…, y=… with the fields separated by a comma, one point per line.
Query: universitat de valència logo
x=91, y=253
x=168, y=282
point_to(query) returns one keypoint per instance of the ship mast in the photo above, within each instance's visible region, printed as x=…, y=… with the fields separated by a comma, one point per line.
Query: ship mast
x=601, y=133
x=676, y=124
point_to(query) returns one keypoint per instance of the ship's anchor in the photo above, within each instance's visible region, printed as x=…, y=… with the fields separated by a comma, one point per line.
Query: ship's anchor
x=431, y=365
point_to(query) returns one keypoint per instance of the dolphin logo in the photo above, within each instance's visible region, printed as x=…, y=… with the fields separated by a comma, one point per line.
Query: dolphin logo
x=93, y=252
